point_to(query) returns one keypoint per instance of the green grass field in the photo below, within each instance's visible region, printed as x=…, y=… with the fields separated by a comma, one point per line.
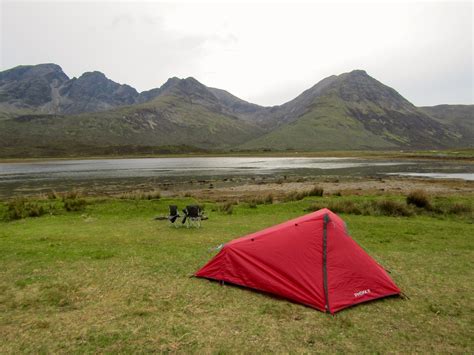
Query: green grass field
x=112, y=279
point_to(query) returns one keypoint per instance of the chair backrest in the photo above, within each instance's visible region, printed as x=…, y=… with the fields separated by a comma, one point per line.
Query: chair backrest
x=193, y=211
x=173, y=210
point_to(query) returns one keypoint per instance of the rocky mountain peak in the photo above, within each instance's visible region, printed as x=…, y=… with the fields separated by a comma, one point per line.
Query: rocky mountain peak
x=28, y=86
x=359, y=87
x=93, y=75
x=47, y=71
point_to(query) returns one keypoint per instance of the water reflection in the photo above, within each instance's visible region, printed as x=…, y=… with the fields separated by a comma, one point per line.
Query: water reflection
x=65, y=174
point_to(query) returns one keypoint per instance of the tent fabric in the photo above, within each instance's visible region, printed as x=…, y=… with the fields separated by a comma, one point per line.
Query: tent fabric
x=310, y=260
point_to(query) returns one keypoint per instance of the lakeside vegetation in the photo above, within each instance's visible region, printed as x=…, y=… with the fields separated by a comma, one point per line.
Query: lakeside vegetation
x=105, y=276
x=184, y=151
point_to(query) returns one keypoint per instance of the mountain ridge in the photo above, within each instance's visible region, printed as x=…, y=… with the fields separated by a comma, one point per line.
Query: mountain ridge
x=347, y=111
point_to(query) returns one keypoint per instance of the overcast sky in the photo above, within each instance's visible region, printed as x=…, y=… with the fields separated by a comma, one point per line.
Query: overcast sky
x=265, y=53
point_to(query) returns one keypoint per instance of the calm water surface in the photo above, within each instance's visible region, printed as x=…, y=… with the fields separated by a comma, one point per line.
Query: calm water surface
x=65, y=174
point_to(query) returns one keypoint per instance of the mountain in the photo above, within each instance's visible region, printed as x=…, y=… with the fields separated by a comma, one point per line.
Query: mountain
x=351, y=111
x=461, y=117
x=44, y=112
x=182, y=113
x=91, y=92
x=28, y=86
x=232, y=105
x=47, y=89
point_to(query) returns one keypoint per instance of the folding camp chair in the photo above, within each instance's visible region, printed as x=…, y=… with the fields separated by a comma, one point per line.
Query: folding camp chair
x=173, y=215
x=193, y=215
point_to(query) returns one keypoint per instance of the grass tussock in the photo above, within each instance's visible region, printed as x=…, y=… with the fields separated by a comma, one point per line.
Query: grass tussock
x=19, y=208
x=460, y=208
x=260, y=200
x=141, y=195
x=366, y=208
x=348, y=207
x=418, y=198
x=226, y=207
x=393, y=208
x=316, y=191
x=53, y=195
x=74, y=205
x=51, y=204
x=73, y=201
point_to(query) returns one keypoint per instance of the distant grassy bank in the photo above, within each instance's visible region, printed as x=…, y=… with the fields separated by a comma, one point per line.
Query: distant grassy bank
x=466, y=154
x=103, y=276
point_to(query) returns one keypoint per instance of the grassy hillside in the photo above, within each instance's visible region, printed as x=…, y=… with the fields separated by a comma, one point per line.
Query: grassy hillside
x=459, y=116
x=112, y=279
x=328, y=126
x=354, y=111
x=166, y=121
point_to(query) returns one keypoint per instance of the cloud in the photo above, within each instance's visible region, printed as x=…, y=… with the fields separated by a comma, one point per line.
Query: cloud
x=122, y=20
x=262, y=52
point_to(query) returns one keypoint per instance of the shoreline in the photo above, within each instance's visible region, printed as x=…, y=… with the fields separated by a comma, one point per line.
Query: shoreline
x=225, y=189
x=442, y=155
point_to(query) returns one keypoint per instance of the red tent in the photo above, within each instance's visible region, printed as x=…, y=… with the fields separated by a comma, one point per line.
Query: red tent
x=310, y=260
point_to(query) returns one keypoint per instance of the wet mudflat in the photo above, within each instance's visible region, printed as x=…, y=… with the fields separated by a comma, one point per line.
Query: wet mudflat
x=109, y=175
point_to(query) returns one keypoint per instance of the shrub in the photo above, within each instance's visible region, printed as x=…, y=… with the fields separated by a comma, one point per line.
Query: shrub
x=419, y=198
x=260, y=200
x=152, y=195
x=295, y=196
x=385, y=208
x=20, y=208
x=76, y=204
x=391, y=208
x=141, y=195
x=252, y=204
x=316, y=191
x=70, y=195
x=459, y=208
x=348, y=207
x=268, y=199
x=227, y=207
x=53, y=195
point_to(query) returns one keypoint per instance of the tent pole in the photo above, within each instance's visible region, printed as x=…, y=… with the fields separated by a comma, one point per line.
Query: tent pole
x=325, y=254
